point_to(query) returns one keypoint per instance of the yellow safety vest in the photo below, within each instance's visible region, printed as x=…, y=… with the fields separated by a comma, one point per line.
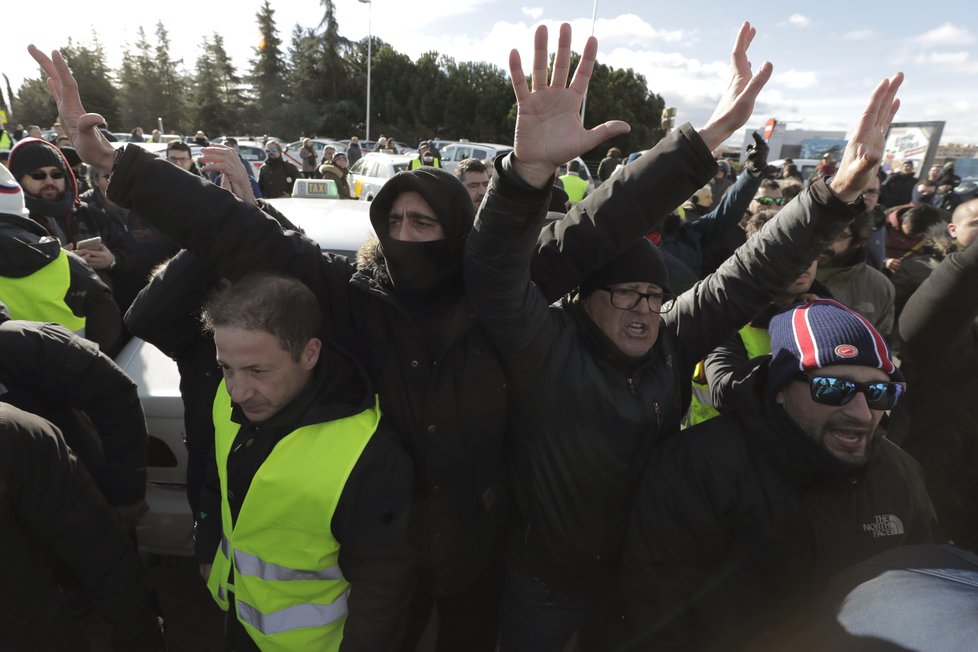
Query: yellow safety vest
x=290, y=594
x=757, y=341
x=41, y=296
x=574, y=186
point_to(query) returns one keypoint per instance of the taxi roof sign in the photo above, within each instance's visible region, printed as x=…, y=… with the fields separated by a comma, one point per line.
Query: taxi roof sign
x=322, y=188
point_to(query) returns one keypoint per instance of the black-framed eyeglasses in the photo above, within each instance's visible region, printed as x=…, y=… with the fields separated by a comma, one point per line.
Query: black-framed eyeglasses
x=177, y=159
x=767, y=201
x=627, y=299
x=41, y=176
x=828, y=390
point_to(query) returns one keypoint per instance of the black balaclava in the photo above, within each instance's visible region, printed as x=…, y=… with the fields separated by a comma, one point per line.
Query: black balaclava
x=422, y=270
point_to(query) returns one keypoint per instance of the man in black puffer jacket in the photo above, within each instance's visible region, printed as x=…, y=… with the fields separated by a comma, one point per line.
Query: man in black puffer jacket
x=739, y=521
x=50, y=508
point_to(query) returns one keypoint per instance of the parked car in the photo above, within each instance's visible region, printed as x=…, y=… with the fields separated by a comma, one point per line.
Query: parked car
x=452, y=154
x=291, y=151
x=805, y=165
x=253, y=152
x=370, y=173
x=167, y=528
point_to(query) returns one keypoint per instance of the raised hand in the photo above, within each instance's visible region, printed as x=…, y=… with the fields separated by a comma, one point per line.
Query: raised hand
x=864, y=151
x=549, y=131
x=737, y=103
x=234, y=176
x=81, y=127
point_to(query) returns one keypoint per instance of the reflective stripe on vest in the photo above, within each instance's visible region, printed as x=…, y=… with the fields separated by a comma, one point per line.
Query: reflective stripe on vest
x=292, y=618
x=41, y=296
x=574, y=186
x=289, y=591
x=757, y=342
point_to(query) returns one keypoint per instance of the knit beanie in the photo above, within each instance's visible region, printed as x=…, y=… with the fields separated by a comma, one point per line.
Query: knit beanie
x=11, y=194
x=640, y=263
x=32, y=154
x=816, y=334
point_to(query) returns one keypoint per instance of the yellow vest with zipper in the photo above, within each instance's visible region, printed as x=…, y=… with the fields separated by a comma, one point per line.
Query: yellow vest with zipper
x=289, y=591
x=40, y=296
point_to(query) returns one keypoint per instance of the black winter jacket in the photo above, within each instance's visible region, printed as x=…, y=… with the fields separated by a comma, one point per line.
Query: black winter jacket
x=741, y=519
x=49, y=507
x=277, y=177
x=26, y=247
x=447, y=400
x=583, y=416
x=49, y=371
x=939, y=326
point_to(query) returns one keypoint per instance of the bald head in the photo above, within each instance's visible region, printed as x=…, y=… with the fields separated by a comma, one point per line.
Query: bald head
x=964, y=223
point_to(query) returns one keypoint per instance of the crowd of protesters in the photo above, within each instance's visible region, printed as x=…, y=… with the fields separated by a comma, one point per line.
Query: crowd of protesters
x=687, y=410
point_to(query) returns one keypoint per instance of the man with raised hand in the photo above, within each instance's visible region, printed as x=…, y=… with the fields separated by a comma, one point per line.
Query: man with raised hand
x=403, y=312
x=597, y=382
x=740, y=521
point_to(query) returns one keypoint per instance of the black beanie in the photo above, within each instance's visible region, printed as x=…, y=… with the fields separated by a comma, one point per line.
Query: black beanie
x=640, y=263
x=32, y=154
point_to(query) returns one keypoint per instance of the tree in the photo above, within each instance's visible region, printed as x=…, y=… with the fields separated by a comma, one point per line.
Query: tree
x=268, y=73
x=94, y=78
x=218, y=101
x=170, y=85
x=136, y=85
x=34, y=104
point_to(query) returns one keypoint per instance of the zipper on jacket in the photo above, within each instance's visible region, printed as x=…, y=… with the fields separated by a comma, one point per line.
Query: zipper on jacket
x=631, y=387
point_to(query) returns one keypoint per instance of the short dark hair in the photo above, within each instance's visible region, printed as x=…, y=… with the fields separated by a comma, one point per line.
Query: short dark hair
x=470, y=165
x=921, y=217
x=574, y=166
x=790, y=190
x=770, y=184
x=178, y=145
x=274, y=303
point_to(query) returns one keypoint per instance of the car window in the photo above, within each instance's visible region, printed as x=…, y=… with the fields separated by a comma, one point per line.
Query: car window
x=359, y=166
x=400, y=167
x=249, y=153
x=479, y=153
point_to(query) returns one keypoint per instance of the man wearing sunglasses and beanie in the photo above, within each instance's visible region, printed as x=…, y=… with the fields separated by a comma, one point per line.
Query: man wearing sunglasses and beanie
x=52, y=198
x=739, y=520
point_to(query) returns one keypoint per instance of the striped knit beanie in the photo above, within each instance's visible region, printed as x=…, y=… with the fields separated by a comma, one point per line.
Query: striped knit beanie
x=11, y=194
x=816, y=334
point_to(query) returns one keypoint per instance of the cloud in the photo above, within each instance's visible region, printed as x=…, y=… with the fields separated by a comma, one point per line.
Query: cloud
x=859, y=35
x=946, y=34
x=799, y=20
x=533, y=13
x=796, y=79
x=953, y=62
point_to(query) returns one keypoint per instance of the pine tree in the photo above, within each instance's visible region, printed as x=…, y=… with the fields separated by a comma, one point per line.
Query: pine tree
x=268, y=74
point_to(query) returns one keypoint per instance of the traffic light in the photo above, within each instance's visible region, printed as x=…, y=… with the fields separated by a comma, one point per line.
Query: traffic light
x=668, y=118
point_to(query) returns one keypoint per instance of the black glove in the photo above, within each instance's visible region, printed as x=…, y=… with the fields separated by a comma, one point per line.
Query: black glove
x=757, y=155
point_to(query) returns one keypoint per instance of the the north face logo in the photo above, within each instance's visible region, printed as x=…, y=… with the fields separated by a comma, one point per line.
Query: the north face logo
x=885, y=525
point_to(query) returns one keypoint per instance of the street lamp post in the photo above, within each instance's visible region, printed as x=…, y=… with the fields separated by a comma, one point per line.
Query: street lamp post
x=594, y=15
x=370, y=42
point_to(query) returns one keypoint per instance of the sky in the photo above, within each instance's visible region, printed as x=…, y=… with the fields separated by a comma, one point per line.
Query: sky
x=827, y=56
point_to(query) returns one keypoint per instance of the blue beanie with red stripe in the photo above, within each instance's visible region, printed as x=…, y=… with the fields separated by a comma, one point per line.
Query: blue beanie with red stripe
x=816, y=334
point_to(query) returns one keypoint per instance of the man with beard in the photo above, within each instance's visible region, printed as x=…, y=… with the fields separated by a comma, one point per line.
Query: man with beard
x=51, y=195
x=402, y=310
x=842, y=268
x=740, y=521
x=40, y=281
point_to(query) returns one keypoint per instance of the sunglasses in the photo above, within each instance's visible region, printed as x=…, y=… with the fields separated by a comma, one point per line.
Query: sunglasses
x=839, y=391
x=41, y=176
x=767, y=201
